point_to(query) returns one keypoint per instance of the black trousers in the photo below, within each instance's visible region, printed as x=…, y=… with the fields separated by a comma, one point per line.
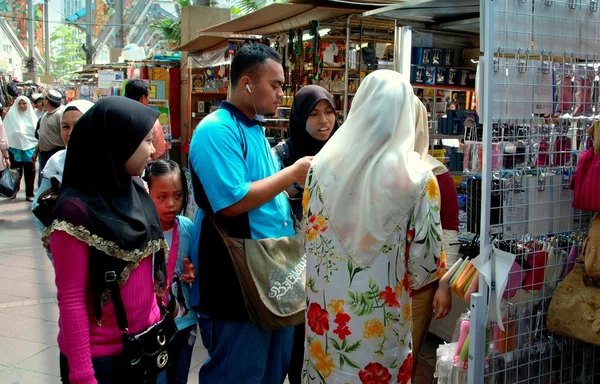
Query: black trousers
x=27, y=171
x=297, y=361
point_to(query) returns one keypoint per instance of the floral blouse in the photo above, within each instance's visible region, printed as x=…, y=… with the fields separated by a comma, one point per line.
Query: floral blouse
x=359, y=321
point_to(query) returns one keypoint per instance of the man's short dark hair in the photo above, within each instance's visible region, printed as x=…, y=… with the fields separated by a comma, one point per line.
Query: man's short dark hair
x=249, y=58
x=136, y=89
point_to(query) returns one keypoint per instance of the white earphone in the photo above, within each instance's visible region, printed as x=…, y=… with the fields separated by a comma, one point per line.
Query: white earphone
x=248, y=88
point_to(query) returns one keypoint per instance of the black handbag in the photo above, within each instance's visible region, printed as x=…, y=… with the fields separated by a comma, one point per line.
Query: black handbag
x=145, y=354
x=9, y=182
x=46, y=202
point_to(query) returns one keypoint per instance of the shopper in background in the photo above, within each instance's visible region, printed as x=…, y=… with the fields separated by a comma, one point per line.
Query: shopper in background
x=53, y=171
x=236, y=178
x=106, y=221
x=168, y=189
x=431, y=301
x=19, y=125
x=50, y=140
x=373, y=236
x=38, y=104
x=139, y=90
x=312, y=122
x=5, y=163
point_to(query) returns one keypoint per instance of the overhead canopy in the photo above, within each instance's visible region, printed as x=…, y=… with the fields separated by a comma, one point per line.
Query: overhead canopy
x=460, y=15
x=276, y=18
x=211, y=40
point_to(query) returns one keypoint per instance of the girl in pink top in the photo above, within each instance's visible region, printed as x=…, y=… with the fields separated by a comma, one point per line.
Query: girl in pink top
x=102, y=218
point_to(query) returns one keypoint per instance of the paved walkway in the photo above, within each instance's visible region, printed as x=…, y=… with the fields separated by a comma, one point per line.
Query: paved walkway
x=29, y=312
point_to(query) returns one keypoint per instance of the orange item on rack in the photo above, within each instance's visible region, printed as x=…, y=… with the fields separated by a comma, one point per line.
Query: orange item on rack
x=473, y=287
x=463, y=280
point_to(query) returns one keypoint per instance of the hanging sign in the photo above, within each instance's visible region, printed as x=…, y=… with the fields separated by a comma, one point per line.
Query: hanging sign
x=107, y=78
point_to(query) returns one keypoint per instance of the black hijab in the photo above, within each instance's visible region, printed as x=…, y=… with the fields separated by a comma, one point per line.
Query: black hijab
x=120, y=219
x=301, y=143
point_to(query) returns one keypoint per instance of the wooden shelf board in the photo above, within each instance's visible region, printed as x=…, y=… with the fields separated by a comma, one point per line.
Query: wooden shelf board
x=443, y=87
x=210, y=94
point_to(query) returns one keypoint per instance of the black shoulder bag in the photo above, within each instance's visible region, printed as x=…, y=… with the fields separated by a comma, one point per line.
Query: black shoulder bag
x=145, y=354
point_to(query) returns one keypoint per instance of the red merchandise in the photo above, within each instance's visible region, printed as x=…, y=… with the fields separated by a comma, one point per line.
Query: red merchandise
x=585, y=182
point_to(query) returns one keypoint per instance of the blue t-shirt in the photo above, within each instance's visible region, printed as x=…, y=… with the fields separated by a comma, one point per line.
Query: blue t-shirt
x=186, y=228
x=229, y=152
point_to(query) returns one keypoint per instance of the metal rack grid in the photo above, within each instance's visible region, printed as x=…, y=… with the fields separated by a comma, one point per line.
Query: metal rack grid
x=541, y=92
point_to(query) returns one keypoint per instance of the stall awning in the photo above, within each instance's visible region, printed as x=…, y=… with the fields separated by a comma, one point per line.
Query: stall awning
x=460, y=15
x=276, y=18
x=210, y=40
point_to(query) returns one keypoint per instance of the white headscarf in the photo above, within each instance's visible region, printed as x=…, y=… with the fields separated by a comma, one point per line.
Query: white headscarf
x=422, y=139
x=56, y=164
x=369, y=173
x=20, y=126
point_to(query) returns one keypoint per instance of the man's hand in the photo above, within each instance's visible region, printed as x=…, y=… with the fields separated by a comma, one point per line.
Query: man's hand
x=442, y=303
x=6, y=162
x=300, y=169
x=189, y=271
x=34, y=156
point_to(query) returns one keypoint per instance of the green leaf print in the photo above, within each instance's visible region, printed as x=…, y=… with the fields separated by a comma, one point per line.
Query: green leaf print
x=336, y=345
x=349, y=361
x=311, y=285
x=394, y=364
x=362, y=303
x=354, y=347
x=352, y=271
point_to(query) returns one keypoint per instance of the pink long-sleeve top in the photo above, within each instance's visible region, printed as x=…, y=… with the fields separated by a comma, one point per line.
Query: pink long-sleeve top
x=3, y=139
x=80, y=337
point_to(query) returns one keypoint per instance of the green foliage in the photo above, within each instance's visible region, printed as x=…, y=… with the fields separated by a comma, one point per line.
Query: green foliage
x=170, y=29
x=66, y=54
x=242, y=7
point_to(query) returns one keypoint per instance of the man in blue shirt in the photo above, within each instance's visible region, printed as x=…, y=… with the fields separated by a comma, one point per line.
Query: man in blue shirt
x=236, y=178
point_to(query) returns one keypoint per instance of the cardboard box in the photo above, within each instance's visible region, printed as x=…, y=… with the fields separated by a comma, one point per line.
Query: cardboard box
x=452, y=77
x=448, y=57
x=421, y=56
x=437, y=56
x=418, y=74
x=430, y=75
x=441, y=75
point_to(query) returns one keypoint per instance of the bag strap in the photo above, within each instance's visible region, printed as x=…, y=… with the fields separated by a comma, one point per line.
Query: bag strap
x=105, y=271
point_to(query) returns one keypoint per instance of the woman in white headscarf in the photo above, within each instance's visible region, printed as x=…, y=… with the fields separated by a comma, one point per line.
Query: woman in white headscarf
x=20, y=125
x=373, y=235
x=53, y=171
x=433, y=300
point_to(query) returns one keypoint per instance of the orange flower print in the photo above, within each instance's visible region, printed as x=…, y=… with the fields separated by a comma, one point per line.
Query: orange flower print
x=311, y=235
x=336, y=306
x=374, y=373
x=322, y=223
x=316, y=349
x=407, y=312
x=390, y=298
x=442, y=260
x=305, y=199
x=405, y=372
x=323, y=361
x=432, y=189
x=373, y=329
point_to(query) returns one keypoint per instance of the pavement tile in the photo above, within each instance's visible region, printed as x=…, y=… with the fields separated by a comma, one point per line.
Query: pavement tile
x=13, y=351
x=46, y=311
x=29, y=290
x=30, y=329
x=20, y=376
x=45, y=362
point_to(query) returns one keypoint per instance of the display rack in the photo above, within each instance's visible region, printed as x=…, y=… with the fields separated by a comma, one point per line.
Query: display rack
x=538, y=95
